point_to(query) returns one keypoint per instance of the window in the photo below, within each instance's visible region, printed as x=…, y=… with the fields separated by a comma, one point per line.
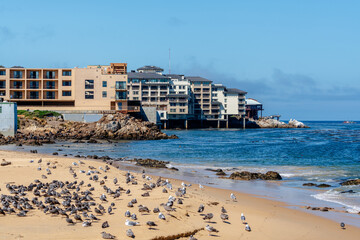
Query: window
x=182, y=110
x=162, y=114
x=172, y=104
x=120, y=85
x=135, y=92
x=50, y=85
x=66, y=83
x=89, y=94
x=225, y=100
x=2, y=84
x=0, y=109
x=34, y=74
x=50, y=74
x=18, y=74
x=104, y=84
x=34, y=85
x=89, y=84
x=66, y=73
x=104, y=94
x=182, y=104
x=2, y=72
x=50, y=95
x=172, y=110
x=120, y=95
x=136, y=98
x=66, y=93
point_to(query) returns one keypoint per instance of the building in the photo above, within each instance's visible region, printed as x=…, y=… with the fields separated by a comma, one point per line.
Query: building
x=95, y=88
x=253, y=107
x=8, y=118
x=231, y=101
x=201, y=94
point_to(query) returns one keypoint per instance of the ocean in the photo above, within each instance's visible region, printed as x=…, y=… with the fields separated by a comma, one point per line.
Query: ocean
x=327, y=152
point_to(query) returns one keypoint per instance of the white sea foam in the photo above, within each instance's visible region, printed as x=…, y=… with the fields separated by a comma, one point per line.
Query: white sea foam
x=350, y=200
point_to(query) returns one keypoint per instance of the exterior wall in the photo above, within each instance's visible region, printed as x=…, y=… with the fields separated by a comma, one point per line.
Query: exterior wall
x=35, y=92
x=8, y=118
x=150, y=114
x=201, y=92
x=218, y=94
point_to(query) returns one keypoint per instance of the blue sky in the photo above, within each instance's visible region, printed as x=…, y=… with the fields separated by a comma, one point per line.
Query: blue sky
x=300, y=58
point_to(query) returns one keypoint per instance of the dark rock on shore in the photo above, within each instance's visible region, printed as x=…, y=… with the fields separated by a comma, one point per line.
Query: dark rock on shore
x=323, y=185
x=309, y=185
x=348, y=191
x=117, y=126
x=351, y=182
x=245, y=175
x=151, y=163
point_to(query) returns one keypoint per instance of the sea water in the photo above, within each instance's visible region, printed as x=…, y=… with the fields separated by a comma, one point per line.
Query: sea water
x=327, y=152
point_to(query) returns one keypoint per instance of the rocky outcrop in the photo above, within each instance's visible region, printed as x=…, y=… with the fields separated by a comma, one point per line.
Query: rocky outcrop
x=273, y=123
x=151, y=163
x=112, y=126
x=351, y=182
x=245, y=175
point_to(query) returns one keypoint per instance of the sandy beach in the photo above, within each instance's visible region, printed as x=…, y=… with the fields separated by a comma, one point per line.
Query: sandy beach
x=267, y=219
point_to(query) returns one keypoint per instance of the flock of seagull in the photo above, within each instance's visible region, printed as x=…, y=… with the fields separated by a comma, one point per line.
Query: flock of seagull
x=75, y=200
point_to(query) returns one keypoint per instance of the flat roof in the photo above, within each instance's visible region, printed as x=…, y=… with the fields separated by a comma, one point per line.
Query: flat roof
x=251, y=101
x=198, y=79
x=235, y=90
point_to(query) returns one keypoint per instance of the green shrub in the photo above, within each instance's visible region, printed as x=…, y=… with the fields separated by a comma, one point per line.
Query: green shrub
x=38, y=113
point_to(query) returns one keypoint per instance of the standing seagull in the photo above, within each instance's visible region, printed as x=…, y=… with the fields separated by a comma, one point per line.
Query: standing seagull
x=247, y=228
x=242, y=218
x=233, y=197
x=161, y=216
x=201, y=186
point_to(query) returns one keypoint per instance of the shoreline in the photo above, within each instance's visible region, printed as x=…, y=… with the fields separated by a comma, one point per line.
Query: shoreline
x=266, y=217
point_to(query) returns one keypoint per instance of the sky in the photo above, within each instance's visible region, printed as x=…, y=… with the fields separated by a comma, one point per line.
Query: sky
x=301, y=59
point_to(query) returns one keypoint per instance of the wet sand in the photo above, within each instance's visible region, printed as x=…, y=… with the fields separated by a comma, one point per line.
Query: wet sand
x=268, y=219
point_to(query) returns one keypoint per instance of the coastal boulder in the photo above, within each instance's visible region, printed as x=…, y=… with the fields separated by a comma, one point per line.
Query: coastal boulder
x=351, y=182
x=245, y=175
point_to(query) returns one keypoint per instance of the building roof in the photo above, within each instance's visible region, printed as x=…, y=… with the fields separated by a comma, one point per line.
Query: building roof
x=215, y=102
x=198, y=79
x=150, y=68
x=146, y=75
x=251, y=101
x=235, y=90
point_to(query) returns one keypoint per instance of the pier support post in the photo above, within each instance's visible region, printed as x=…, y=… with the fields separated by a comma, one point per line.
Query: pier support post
x=243, y=122
x=186, y=124
x=218, y=124
x=165, y=125
x=227, y=123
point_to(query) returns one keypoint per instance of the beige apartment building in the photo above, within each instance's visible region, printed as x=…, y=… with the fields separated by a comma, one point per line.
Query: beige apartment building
x=94, y=88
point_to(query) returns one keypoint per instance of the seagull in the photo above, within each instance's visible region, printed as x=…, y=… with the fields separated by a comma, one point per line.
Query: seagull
x=223, y=210
x=130, y=233
x=86, y=224
x=103, y=198
x=115, y=181
x=107, y=235
x=192, y=238
x=74, y=163
x=247, y=228
x=161, y=216
x=208, y=216
x=233, y=197
x=69, y=220
x=201, y=208
x=210, y=229
x=242, y=217
x=201, y=186
x=224, y=216
x=131, y=223
x=151, y=224
x=127, y=213
x=342, y=225
x=110, y=209
x=105, y=224
x=133, y=216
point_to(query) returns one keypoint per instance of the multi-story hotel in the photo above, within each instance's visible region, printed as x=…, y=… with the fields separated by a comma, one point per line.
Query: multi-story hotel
x=106, y=88
x=96, y=88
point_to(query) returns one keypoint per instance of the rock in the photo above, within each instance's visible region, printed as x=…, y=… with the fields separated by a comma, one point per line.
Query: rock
x=273, y=123
x=309, y=184
x=348, y=191
x=220, y=173
x=351, y=182
x=323, y=185
x=55, y=153
x=151, y=163
x=245, y=175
